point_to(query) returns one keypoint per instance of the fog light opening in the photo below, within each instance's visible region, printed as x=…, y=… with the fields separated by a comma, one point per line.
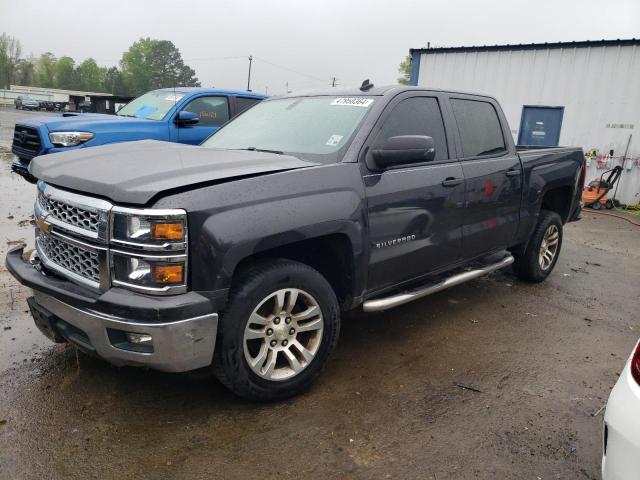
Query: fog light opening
x=139, y=338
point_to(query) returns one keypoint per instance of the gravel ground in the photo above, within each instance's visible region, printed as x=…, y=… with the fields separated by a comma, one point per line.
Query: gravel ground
x=541, y=360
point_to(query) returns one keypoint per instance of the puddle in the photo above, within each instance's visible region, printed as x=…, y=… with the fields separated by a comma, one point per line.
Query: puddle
x=20, y=340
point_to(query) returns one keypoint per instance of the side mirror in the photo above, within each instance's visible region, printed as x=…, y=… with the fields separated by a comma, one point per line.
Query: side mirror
x=186, y=118
x=405, y=149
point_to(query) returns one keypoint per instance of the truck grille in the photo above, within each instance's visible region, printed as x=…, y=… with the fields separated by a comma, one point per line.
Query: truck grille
x=26, y=140
x=71, y=258
x=70, y=214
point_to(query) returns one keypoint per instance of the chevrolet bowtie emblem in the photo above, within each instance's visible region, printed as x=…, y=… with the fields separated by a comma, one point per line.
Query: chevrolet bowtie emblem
x=42, y=224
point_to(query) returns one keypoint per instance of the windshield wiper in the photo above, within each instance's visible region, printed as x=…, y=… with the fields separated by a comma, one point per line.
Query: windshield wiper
x=254, y=149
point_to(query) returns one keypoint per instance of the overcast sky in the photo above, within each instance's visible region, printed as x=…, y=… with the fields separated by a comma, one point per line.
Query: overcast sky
x=304, y=42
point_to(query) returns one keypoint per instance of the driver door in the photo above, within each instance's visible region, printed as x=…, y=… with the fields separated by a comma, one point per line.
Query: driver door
x=414, y=211
x=213, y=111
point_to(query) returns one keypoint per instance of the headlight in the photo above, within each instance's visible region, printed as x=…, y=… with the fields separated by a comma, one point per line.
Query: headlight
x=150, y=249
x=149, y=273
x=69, y=139
x=150, y=229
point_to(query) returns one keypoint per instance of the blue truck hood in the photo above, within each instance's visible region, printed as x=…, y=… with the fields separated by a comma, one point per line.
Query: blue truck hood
x=136, y=172
x=89, y=122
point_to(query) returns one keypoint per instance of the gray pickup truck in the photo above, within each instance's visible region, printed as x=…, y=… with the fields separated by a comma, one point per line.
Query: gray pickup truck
x=240, y=254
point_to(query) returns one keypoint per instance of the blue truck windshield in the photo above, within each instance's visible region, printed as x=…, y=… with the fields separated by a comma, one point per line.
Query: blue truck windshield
x=152, y=105
x=313, y=127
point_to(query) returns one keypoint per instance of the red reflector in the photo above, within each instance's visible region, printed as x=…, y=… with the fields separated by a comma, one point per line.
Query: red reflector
x=635, y=365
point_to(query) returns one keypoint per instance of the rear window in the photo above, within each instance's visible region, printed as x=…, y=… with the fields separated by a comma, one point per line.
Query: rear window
x=479, y=127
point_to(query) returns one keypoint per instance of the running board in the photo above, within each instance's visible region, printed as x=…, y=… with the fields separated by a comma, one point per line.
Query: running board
x=379, y=304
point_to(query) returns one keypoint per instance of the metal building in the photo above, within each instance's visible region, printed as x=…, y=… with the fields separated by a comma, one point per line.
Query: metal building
x=583, y=94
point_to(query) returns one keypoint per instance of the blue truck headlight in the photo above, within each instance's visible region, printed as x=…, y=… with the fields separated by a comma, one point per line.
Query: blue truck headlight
x=69, y=139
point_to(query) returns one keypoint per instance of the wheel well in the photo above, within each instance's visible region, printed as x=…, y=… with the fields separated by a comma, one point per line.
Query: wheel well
x=331, y=255
x=558, y=200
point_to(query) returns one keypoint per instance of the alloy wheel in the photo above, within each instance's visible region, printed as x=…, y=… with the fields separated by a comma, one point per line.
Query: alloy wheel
x=283, y=334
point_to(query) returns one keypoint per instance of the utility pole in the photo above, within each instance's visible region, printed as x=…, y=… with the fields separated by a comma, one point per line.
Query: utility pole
x=333, y=81
x=249, y=76
x=286, y=88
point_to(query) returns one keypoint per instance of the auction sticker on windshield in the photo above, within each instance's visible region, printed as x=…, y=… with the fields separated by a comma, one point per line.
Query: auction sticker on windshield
x=353, y=101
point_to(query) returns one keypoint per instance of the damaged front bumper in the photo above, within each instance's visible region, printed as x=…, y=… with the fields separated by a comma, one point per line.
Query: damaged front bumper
x=173, y=333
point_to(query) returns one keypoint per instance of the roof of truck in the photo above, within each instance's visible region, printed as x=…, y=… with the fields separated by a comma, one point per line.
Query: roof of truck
x=382, y=90
x=211, y=90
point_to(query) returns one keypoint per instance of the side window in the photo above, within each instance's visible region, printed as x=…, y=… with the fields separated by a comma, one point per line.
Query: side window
x=479, y=127
x=244, y=103
x=211, y=110
x=415, y=116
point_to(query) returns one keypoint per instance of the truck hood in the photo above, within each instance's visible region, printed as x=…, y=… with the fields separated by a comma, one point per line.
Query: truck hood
x=85, y=122
x=135, y=172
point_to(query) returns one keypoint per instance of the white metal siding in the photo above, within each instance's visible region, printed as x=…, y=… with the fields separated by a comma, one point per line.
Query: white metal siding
x=597, y=86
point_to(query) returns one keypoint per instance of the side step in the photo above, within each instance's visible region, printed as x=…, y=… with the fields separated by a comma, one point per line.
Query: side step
x=379, y=304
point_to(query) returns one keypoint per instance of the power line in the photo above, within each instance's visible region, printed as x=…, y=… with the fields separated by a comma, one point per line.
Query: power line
x=204, y=59
x=289, y=69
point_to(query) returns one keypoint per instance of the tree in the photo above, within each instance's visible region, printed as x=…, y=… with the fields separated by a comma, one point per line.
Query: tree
x=45, y=70
x=405, y=71
x=10, y=51
x=65, y=75
x=112, y=82
x=150, y=64
x=89, y=76
x=24, y=72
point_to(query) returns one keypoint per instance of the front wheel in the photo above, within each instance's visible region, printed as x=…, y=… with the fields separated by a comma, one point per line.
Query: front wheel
x=540, y=257
x=277, y=332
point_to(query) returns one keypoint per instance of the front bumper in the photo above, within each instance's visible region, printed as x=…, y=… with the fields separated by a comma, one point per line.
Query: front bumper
x=182, y=327
x=21, y=167
x=621, y=456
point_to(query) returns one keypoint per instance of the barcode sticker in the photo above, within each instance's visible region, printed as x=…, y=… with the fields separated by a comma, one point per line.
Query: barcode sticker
x=353, y=101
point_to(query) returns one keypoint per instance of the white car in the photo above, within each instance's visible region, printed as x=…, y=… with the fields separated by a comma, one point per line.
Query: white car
x=621, y=445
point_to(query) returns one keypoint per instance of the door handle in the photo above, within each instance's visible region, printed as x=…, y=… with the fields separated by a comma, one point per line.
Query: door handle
x=513, y=172
x=451, y=181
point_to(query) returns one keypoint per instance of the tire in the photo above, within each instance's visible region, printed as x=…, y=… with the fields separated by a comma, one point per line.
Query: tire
x=596, y=205
x=609, y=205
x=530, y=265
x=254, y=296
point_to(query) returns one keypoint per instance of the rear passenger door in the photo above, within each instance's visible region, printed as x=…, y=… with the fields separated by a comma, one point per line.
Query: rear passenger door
x=493, y=176
x=414, y=211
x=212, y=111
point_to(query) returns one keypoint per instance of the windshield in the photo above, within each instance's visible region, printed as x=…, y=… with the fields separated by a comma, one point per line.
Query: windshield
x=314, y=127
x=152, y=105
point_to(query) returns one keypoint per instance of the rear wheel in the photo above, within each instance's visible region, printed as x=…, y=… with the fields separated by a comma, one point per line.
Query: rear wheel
x=609, y=205
x=539, y=258
x=277, y=332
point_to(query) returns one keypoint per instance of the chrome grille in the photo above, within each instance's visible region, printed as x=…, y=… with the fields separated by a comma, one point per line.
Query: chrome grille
x=69, y=214
x=72, y=258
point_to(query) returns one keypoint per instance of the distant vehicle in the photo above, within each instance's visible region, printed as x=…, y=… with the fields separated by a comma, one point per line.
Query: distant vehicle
x=26, y=103
x=84, y=107
x=240, y=254
x=181, y=115
x=51, y=106
x=621, y=443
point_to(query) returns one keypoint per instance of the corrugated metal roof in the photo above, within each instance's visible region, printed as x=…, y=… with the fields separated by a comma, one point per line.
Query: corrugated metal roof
x=530, y=46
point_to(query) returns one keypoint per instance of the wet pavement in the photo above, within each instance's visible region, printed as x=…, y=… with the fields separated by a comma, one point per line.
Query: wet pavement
x=540, y=361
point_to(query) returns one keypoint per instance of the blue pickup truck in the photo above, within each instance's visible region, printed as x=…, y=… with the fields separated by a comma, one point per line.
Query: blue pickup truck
x=182, y=115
